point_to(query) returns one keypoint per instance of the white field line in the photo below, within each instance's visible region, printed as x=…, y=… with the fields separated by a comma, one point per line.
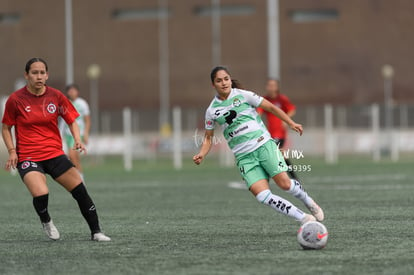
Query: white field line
x=357, y=178
x=337, y=182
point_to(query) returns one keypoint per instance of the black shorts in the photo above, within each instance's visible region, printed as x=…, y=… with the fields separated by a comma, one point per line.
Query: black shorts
x=55, y=167
x=280, y=142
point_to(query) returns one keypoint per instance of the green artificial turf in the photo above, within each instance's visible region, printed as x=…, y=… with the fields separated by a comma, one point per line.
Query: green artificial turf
x=164, y=221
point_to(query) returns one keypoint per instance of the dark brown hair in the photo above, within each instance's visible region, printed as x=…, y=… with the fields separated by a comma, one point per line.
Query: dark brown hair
x=234, y=83
x=71, y=86
x=33, y=60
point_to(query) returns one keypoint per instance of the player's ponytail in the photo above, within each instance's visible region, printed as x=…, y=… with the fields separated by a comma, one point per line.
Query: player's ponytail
x=236, y=84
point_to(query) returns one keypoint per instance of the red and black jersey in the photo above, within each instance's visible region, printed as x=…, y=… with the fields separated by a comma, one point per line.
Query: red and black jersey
x=36, y=122
x=275, y=124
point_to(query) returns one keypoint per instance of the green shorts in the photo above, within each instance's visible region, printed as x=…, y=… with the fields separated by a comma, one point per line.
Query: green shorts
x=263, y=163
x=70, y=141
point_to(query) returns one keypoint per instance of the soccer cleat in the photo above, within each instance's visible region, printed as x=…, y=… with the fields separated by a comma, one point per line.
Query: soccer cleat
x=317, y=211
x=307, y=218
x=51, y=230
x=100, y=237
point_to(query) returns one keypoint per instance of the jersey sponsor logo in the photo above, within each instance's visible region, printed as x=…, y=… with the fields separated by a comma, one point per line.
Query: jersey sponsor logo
x=28, y=109
x=217, y=112
x=25, y=164
x=236, y=102
x=230, y=116
x=231, y=134
x=51, y=108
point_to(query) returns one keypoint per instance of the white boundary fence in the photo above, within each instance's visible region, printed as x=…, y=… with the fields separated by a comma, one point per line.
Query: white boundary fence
x=332, y=137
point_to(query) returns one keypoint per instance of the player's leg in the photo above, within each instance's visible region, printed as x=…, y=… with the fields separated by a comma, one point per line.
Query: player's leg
x=35, y=181
x=261, y=191
x=294, y=187
x=280, y=144
x=257, y=182
x=290, y=171
x=274, y=164
x=74, y=155
x=68, y=176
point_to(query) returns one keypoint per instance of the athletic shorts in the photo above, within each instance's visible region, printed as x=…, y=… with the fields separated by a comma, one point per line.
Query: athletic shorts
x=280, y=142
x=70, y=141
x=265, y=162
x=55, y=167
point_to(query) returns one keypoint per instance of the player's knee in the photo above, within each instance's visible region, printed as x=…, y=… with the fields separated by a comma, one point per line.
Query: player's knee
x=263, y=196
x=284, y=183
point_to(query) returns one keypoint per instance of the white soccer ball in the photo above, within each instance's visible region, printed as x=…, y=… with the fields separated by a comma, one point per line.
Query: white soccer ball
x=313, y=235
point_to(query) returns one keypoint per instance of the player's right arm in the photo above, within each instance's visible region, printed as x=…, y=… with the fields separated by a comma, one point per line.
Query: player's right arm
x=8, y=141
x=205, y=147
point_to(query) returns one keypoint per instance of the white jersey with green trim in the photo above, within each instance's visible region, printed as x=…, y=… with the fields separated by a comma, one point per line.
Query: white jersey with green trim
x=242, y=127
x=82, y=107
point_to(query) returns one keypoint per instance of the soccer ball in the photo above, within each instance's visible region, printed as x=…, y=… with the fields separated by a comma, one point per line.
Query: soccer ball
x=312, y=235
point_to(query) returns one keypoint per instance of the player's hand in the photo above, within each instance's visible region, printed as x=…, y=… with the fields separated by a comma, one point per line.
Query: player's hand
x=12, y=161
x=297, y=128
x=198, y=159
x=80, y=147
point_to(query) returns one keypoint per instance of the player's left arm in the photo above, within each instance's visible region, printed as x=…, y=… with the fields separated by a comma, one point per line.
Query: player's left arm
x=269, y=107
x=74, y=129
x=289, y=107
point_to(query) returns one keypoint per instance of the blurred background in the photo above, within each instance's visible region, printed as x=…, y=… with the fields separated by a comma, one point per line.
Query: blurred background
x=143, y=66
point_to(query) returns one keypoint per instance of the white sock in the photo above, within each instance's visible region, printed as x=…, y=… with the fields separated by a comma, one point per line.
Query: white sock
x=280, y=204
x=297, y=191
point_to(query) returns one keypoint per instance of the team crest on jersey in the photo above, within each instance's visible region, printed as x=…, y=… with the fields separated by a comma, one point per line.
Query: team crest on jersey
x=25, y=164
x=51, y=108
x=236, y=102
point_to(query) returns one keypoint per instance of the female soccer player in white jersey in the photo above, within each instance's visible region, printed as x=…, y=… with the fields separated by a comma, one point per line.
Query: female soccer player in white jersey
x=257, y=155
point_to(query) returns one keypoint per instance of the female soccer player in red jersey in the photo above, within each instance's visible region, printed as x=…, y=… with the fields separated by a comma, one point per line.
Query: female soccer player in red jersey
x=276, y=127
x=33, y=111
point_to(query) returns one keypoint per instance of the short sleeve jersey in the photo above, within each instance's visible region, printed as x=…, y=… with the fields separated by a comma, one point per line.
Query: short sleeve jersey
x=35, y=119
x=275, y=124
x=82, y=108
x=242, y=126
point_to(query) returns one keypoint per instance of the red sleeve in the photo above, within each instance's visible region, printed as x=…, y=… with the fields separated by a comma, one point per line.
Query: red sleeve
x=9, y=117
x=67, y=110
x=287, y=106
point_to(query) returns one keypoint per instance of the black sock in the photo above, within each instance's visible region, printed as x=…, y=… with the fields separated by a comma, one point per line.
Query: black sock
x=291, y=171
x=40, y=204
x=87, y=207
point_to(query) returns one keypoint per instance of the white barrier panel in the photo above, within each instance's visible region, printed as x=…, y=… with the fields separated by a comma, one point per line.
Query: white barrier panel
x=127, y=152
x=376, y=138
x=331, y=153
x=177, y=138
